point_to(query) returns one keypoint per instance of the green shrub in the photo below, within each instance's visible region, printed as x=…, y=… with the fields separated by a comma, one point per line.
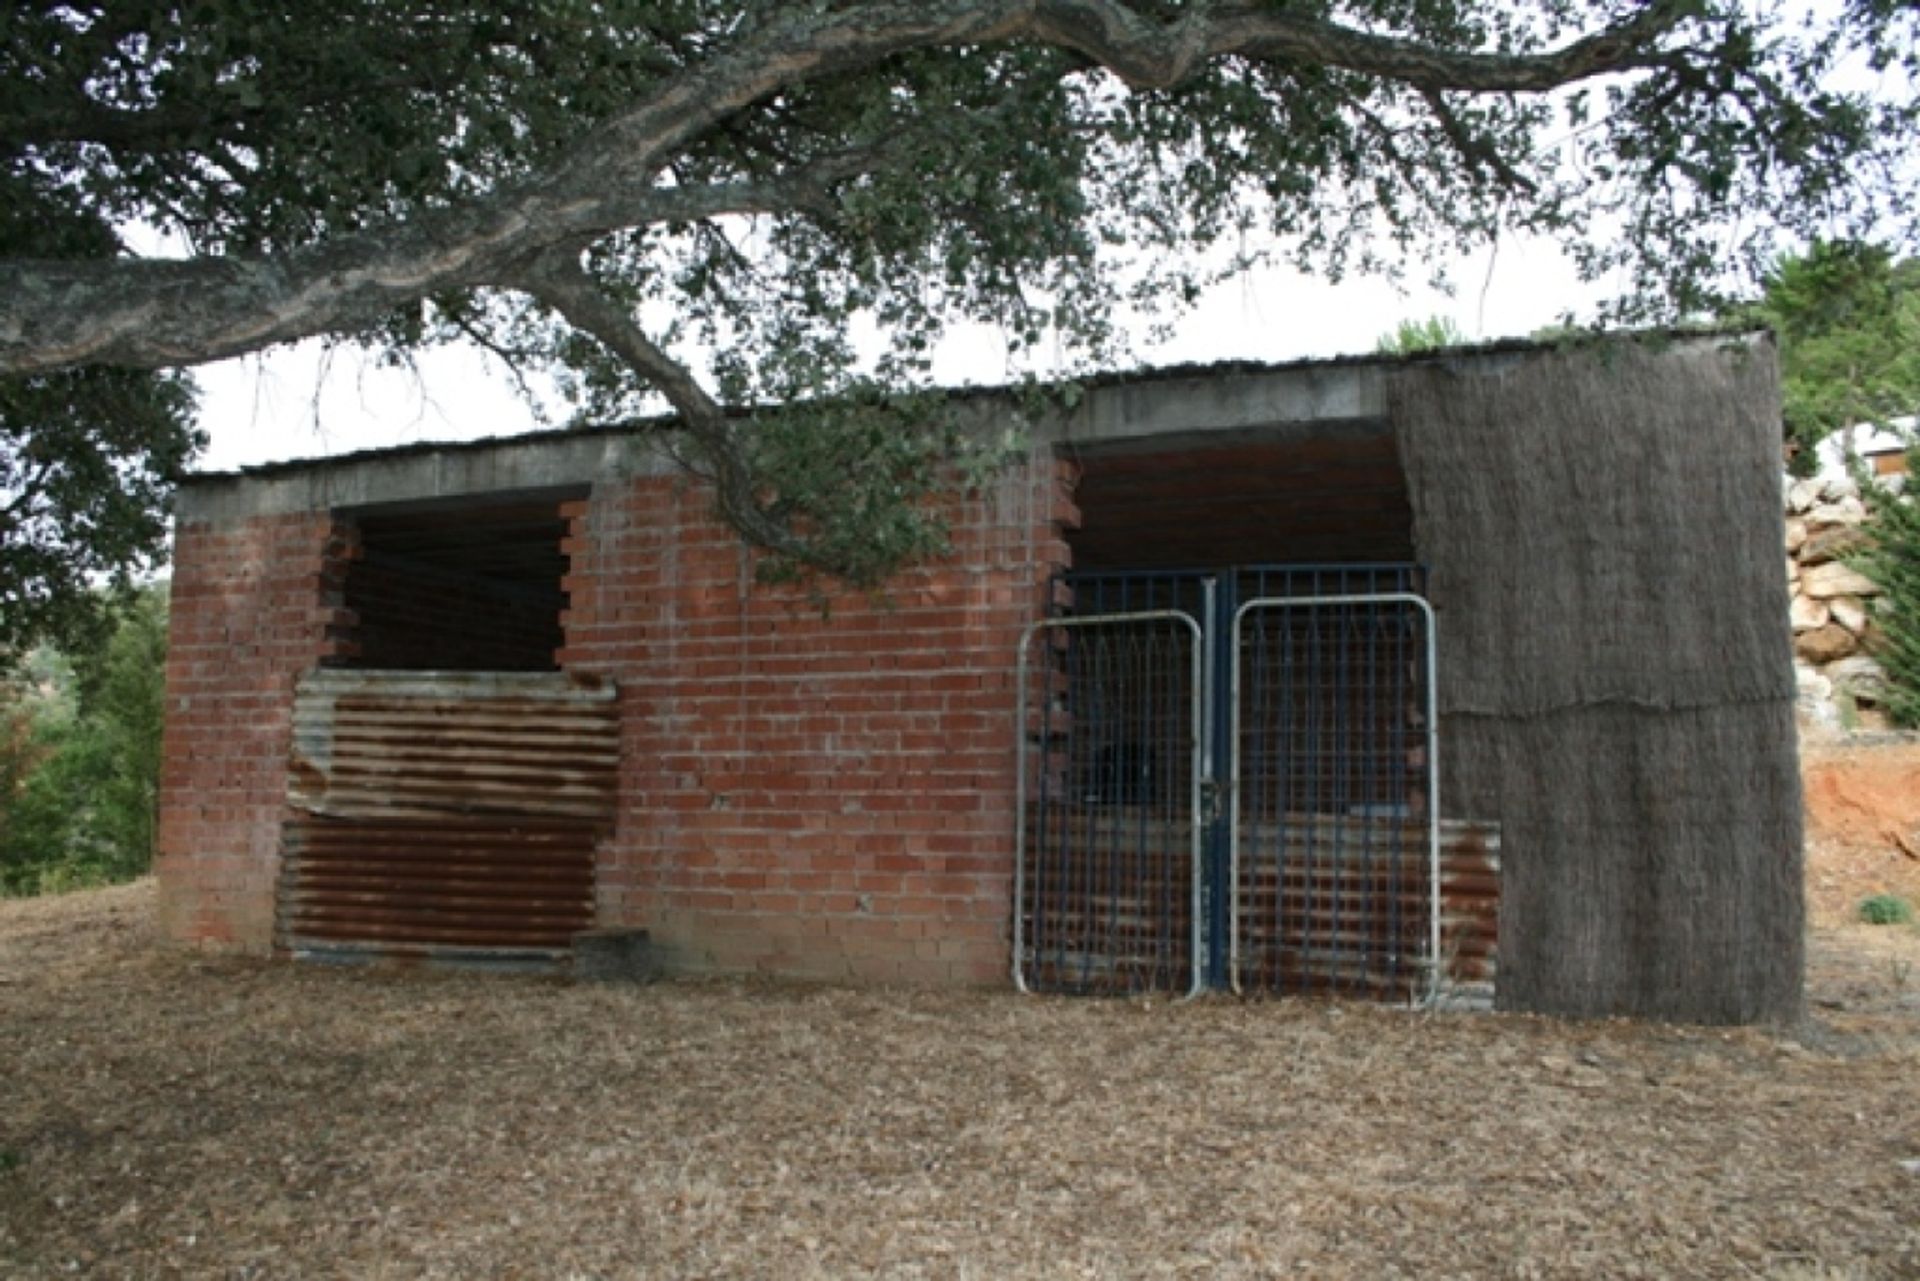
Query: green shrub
x=1893, y=561
x=80, y=760
x=1410, y=337
x=1886, y=909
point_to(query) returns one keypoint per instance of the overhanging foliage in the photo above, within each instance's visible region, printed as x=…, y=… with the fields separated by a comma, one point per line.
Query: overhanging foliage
x=701, y=200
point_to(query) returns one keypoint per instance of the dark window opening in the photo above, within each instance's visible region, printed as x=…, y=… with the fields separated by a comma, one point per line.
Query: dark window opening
x=456, y=587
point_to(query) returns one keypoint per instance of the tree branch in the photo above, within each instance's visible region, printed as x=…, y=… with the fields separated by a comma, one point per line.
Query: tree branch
x=509, y=357
x=1147, y=54
x=28, y=494
x=557, y=279
x=156, y=314
x=1476, y=153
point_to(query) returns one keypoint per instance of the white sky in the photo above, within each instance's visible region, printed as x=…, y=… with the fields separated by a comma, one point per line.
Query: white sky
x=299, y=402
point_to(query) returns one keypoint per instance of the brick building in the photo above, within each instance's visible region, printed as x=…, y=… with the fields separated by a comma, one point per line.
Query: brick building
x=1174, y=713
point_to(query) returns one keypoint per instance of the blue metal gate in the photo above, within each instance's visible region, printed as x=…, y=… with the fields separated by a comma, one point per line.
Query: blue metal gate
x=1227, y=779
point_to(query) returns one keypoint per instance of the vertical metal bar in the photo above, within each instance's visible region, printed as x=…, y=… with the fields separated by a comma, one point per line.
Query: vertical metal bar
x=1069, y=929
x=1020, y=815
x=1365, y=790
x=1433, y=803
x=1093, y=681
x=1207, y=908
x=1397, y=764
x=1291, y=731
x=1234, y=775
x=1350, y=961
x=1164, y=774
x=1310, y=801
x=1136, y=743
x=1209, y=594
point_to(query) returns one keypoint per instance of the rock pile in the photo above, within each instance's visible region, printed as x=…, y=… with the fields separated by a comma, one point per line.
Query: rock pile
x=1834, y=635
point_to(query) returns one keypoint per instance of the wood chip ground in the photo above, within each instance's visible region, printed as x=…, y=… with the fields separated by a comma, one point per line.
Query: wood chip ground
x=167, y=1115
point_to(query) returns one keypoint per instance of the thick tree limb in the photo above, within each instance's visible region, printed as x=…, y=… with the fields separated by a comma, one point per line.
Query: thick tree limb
x=162, y=313
x=156, y=314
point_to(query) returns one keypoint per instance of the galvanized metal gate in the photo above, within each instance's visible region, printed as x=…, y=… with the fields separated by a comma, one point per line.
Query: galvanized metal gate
x=1228, y=779
x=1112, y=794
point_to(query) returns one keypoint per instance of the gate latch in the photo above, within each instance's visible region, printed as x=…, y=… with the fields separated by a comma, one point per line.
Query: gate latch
x=1209, y=800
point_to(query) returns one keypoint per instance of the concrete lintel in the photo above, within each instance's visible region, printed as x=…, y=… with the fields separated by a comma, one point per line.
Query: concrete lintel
x=1213, y=402
x=510, y=467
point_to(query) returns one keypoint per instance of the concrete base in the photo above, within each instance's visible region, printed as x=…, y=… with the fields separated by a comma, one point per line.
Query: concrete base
x=614, y=956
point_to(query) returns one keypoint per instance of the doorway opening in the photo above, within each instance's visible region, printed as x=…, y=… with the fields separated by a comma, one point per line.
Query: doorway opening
x=448, y=782
x=1228, y=764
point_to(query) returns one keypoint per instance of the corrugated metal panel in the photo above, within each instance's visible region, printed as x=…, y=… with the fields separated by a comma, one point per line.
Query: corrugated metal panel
x=442, y=812
x=1347, y=914
x=1326, y=924
x=1469, y=913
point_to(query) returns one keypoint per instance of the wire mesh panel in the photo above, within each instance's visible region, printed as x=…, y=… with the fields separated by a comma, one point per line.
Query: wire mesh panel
x=1109, y=861
x=1333, y=831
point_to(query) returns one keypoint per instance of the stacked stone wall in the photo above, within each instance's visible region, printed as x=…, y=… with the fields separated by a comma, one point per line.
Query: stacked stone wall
x=1834, y=608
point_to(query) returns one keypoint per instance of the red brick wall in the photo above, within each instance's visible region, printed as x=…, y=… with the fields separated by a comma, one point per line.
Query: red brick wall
x=826, y=796
x=252, y=604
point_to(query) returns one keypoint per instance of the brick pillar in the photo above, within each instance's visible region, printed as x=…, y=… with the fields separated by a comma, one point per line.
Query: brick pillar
x=250, y=612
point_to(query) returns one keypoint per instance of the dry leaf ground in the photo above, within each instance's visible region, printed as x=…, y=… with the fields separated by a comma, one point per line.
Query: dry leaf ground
x=171, y=1115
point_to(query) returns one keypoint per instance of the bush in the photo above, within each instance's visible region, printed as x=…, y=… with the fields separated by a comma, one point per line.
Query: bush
x=80, y=760
x=1893, y=561
x=1886, y=909
x=1411, y=337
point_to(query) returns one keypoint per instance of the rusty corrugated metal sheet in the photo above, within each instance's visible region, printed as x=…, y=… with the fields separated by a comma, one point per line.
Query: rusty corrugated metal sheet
x=1348, y=915
x=1352, y=923
x=1469, y=912
x=445, y=812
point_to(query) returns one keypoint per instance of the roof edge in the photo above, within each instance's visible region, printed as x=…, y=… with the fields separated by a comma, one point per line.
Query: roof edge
x=1145, y=375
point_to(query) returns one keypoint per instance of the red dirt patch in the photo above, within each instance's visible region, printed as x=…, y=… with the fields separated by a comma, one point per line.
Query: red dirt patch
x=1863, y=826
